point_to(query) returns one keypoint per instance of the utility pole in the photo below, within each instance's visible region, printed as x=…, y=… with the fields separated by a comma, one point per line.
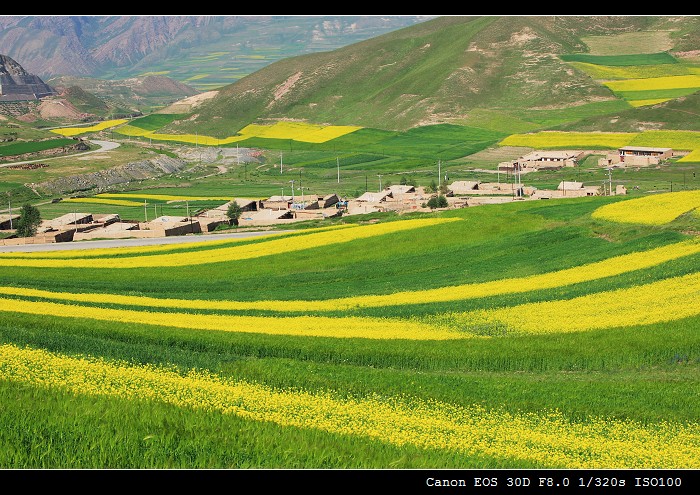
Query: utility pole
x=292, y=181
x=380, y=182
x=366, y=188
x=439, y=176
x=187, y=204
x=337, y=161
x=280, y=163
x=145, y=211
x=610, y=181
x=9, y=205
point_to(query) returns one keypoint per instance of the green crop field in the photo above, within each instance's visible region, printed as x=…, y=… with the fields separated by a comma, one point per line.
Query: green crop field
x=153, y=121
x=559, y=334
x=622, y=60
x=436, y=340
x=34, y=146
x=640, y=79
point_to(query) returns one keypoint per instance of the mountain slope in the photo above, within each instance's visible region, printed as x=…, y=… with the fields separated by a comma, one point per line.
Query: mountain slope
x=442, y=70
x=432, y=72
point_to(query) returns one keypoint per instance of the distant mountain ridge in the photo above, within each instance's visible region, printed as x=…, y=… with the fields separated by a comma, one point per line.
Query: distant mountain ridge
x=124, y=46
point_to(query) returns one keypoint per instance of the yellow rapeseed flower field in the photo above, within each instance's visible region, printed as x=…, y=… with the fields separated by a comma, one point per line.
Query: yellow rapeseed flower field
x=640, y=72
x=593, y=271
x=297, y=131
x=666, y=300
x=75, y=131
x=301, y=326
x=656, y=83
x=246, y=251
x=656, y=209
x=644, y=103
x=555, y=139
x=546, y=438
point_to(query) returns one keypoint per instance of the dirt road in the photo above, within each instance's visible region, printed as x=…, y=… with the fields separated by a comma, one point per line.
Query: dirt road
x=151, y=241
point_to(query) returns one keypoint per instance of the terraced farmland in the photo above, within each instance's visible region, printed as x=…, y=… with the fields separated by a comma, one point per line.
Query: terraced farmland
x=468, y=338
x=640, y=79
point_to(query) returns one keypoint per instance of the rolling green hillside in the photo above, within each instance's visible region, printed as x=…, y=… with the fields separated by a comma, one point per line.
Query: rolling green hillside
x=448, y=69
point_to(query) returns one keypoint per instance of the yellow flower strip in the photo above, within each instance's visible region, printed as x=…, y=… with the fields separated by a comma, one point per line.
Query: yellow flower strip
x=553, y=139
x=74, y=131
x=655, y=83
x=666, y=300
x=242, y=252
x=643, y=103
x=297, y=131
x=656, y=209
x=606, y=72
x=546, y=438
x=692, y=157
x=584, y=273
x=302, y=326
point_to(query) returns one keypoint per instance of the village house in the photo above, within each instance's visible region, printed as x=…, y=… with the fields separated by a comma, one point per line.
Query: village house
x=567, y=189
x=170, y=225
x=542, y=160
x=635, y=156
x=8, y=222
x=476, y=188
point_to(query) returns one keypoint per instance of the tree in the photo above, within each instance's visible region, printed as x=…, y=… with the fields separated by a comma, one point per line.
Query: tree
x=437, y=202
x=432, y=187
x=29, y=221
x=234, y=212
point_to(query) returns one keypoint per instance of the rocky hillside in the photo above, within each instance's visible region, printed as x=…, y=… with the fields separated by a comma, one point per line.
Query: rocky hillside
x=101, y=180
x=17, y=84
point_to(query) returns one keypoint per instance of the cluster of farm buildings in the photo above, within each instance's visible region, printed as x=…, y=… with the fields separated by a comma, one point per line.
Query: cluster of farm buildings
x=277, y=210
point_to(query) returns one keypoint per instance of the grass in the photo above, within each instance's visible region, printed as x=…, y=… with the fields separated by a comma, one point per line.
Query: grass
x=622, y=60
x=15, y=149
x=614, y=375
x=154, y=121
x=642, y=42
x=642, y=373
